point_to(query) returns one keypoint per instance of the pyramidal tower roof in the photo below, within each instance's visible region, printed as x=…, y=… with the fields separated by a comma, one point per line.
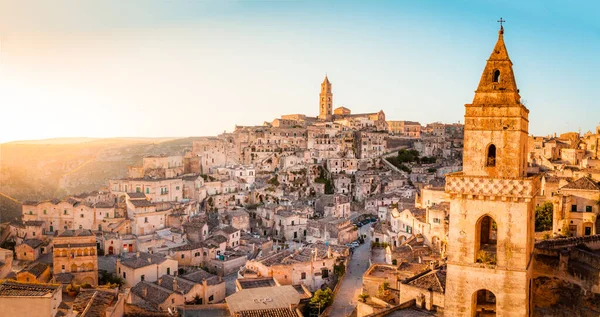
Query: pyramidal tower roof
x=497, y=85
x=326, y=80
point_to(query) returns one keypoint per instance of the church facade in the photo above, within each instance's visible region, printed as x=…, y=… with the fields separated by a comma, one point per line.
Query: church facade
x=492, y=206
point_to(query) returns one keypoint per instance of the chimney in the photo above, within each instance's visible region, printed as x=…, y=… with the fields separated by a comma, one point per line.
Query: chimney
x=160, y=281
x=145, y=292
x=149, y=260
x=175, y=286
x=137, y=254
x=205, y=284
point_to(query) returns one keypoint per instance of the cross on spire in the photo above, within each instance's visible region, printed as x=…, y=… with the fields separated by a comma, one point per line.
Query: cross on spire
x=501, y=21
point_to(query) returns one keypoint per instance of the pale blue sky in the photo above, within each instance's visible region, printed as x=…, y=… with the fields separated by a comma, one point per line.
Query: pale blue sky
x=189, y=68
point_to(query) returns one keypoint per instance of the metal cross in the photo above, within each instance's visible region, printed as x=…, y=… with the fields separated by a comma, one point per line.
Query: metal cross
x=501, y=21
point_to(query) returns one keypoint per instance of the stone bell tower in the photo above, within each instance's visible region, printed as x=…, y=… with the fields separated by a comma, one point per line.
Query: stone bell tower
x=492, y=210
x=325, y=100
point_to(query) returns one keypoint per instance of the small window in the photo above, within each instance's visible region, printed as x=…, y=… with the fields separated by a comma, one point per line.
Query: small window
x=496, y=77
x=168, y=271
x=210, y=298
x=124, y=274
x=303, y=276
x=44, y=212
x=573, y=208
x=183, y=256
x=65, y=212
x=491, y=156
x=588, y=208
x=143, y=277
x=147, y=190
x=81, y=215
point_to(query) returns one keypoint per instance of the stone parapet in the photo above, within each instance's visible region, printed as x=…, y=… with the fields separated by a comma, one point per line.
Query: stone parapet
x=485, y=187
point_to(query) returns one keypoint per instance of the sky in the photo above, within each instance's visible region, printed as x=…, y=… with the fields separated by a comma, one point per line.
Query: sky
x=195, y=68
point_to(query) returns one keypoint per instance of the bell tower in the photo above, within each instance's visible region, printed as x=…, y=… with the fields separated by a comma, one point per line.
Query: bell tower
x=492, y=208
x=325, y=100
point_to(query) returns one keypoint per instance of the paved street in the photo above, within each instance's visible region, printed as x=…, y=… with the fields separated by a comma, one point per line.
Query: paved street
x=347, y=296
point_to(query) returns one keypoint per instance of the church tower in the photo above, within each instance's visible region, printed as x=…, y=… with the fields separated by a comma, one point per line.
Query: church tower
x=491, y=235
x=325, y=100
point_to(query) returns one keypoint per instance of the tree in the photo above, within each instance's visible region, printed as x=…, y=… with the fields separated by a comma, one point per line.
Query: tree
x=339, y=270
x=363, y=297
x=321, y=299
x=543, y=217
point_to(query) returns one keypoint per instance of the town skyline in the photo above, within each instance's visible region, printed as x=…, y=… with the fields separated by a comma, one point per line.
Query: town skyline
x=222, y=66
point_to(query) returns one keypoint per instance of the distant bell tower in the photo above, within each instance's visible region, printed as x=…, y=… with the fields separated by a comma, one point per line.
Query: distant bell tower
x=492, y=208
x=325, y=100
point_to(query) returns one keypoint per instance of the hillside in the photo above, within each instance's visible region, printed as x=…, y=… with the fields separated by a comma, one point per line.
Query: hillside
x=32, y=171
x=9, y=209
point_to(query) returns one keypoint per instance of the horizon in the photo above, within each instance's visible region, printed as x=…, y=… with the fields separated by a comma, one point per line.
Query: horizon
x=201, y=68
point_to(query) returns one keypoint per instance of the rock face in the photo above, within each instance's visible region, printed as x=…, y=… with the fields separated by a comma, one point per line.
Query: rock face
x=491, y=232
x=555, y=297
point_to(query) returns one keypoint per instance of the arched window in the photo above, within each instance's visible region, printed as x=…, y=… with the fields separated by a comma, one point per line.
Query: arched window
x=496, y=77
x=484, y=302
x=486, y=240
x=490, y=159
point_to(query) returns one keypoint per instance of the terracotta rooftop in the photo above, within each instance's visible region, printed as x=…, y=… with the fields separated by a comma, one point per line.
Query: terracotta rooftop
x=188, y=247
x=34, y=223
x=227, y=229
x=136, y=195
x=183, y=285
x=141, y=203
x=35, y=269
x=246, y=283
x=263, y=298
x=430, y=280
x=93, y=303
x=151, y=293
x=104, y=204
x=273, y=312
x=199, y=275
x=74, y=233
x=64, y=278
x=584, y=183
x=34, y=243
x=22, y=289
x=142, y=259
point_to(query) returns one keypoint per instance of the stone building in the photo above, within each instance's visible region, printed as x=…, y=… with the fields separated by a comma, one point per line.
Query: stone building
x=370, y=144
x=143, y=266
x=311, y=266
x=491, y=236
x=35, y=300
x=576, y=208
x=75, y=257
x=30, y=249
x=35, y=273
x=409, y=129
